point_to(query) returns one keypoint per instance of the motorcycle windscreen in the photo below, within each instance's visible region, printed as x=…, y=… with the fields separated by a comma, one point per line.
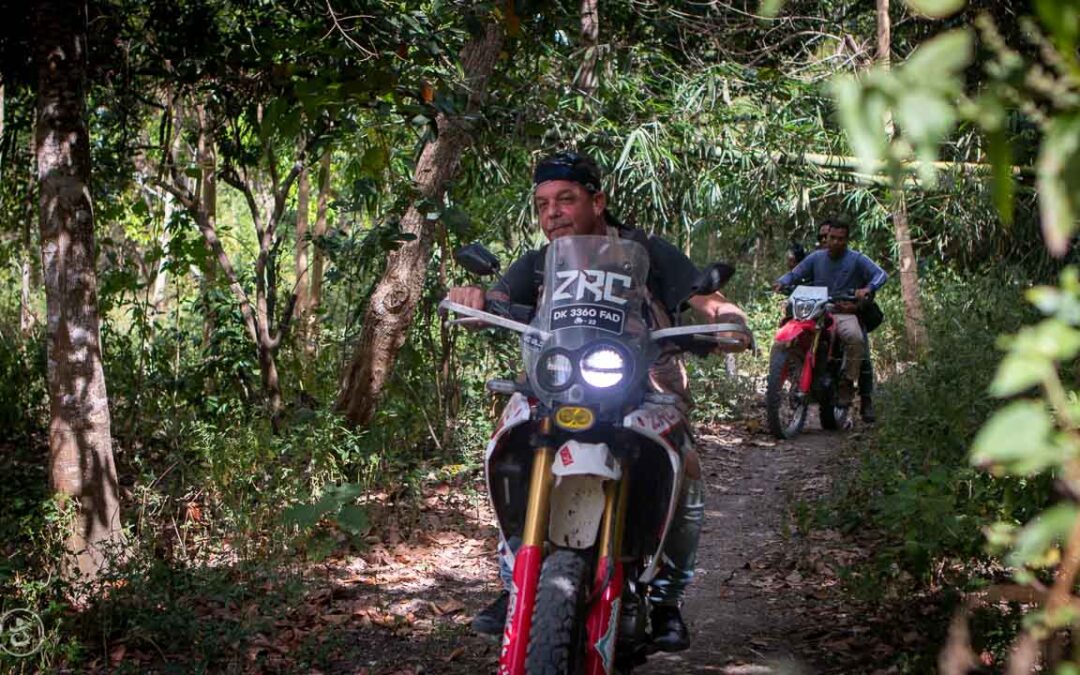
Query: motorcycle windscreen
x=593, y=294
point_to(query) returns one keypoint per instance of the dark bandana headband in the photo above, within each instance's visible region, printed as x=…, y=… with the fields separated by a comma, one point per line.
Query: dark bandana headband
x=571, y=167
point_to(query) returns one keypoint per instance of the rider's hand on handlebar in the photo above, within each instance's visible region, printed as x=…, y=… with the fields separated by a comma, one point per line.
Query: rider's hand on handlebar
x=716, y=308
x=777, y=287
x=470, y=296
x=862, y=293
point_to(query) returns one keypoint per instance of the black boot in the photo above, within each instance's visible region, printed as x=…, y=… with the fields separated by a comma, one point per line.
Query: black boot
x=669, y=633
x=866, y=409
x=492, y=619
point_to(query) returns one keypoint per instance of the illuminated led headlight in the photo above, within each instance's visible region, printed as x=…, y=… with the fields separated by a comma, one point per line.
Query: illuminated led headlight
x=603, y=367
x=804, y=309
x=555, y=370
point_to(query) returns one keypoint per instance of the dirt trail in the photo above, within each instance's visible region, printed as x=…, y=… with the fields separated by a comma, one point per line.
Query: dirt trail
x=763, y=600
x=744, y=605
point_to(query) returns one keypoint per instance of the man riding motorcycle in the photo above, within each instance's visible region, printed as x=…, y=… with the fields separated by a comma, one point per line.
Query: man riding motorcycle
x=842, y=271
x=569, y=201
x=866, y=371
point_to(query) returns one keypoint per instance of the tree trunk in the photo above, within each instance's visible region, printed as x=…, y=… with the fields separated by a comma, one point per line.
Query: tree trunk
x=80, y=440
x=161, y=274
x=27, y=318
x=586, y=79
x=390, y=310
x=314, y=299
x=914, y=327
x=884, y=34
x=303, y=201
x=207, y=212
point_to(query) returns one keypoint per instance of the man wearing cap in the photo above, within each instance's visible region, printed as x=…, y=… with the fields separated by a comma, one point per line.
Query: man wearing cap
x=569, y=200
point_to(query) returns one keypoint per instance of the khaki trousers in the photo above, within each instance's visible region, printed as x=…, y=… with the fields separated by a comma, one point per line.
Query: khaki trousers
x=850, y=333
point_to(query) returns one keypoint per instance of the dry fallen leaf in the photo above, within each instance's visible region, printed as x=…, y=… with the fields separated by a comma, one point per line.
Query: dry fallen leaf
x=335, y=619
x=116, y=654
x=450, y=606
x=454, y=654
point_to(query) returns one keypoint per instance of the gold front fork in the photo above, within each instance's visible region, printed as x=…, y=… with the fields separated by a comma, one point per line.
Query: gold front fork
x=611, y=528
x=540, y=482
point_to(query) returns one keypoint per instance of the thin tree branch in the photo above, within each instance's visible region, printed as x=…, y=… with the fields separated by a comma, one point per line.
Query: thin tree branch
x=368, y=54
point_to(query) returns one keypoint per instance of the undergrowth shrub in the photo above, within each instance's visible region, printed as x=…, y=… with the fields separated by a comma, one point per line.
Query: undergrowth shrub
x=913, y=481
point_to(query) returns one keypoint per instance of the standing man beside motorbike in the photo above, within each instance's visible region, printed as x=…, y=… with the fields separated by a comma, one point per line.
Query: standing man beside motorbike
x=842, y=271
x=569, y=201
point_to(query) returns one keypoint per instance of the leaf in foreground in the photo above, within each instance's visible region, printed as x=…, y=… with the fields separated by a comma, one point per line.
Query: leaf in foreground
x=1017, y=439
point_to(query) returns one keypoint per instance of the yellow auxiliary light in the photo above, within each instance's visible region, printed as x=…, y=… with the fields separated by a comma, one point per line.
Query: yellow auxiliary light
x=574, y=418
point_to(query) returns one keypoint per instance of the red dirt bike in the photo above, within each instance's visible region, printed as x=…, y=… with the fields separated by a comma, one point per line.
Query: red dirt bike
x=805, y=364
x=585, y=466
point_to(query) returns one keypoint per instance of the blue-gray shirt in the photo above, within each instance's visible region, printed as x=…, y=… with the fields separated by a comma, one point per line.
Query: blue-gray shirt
x=851, y=272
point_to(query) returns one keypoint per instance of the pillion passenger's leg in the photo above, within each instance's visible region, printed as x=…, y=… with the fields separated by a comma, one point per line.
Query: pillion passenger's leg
x=677, y=565
x=866, y=383
x=850, y=333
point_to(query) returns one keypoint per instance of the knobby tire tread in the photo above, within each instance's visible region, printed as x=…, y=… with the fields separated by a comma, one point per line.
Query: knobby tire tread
x=558, y=623
x=778, y=358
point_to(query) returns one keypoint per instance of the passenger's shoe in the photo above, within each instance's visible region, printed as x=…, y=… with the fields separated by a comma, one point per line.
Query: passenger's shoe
x=492, y=619
x=669, y=633
x=842, y=415
x=866, y=409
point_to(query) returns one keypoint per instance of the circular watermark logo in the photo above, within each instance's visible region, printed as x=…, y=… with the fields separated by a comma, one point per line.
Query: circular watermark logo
x=21, y=632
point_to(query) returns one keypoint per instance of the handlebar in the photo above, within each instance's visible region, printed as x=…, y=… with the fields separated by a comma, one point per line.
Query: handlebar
x=510, y=310
x=697, y=339
x=705, y=344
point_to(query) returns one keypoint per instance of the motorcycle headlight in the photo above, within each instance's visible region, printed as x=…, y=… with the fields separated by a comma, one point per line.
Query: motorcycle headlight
x=803, y=309
x=555, y=370
x=603, y=367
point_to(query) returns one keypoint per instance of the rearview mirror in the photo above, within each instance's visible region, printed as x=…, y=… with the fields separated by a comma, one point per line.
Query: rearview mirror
x=713, y=278
x=477, y=260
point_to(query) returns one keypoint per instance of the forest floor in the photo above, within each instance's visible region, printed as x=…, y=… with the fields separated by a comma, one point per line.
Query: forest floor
x=769, y=595
x=775, y=592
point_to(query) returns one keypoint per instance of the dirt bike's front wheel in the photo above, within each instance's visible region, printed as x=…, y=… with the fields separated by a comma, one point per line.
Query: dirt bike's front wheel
x=785, y=405
x=557, y=638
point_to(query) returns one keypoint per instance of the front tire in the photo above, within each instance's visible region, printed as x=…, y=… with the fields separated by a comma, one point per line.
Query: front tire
x=785, y=405
x=557, y=638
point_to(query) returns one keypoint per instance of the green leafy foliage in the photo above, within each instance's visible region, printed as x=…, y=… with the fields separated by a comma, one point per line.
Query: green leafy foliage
x=1017, y=439
x=914, y=482
x=713, y=133
x=335, y=504
x=936, y=8
x=1058, y=177
x=919, y=94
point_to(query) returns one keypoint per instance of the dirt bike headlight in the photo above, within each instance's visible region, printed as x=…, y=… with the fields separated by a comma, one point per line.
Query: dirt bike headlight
x=555, y=370
x=603, y=367
x=803, y=309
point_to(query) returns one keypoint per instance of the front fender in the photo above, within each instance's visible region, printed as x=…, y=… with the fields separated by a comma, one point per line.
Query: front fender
x=577, y=498
x=791, y=330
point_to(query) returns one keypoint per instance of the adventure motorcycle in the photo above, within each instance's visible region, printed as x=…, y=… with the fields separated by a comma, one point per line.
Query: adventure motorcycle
x=806, y=364
x=585, y=466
